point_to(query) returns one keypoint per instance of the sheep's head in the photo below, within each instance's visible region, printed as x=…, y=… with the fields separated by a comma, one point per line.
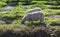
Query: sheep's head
x=22, y=22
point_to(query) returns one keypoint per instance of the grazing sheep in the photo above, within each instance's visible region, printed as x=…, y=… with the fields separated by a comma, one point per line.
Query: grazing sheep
x=32, y=15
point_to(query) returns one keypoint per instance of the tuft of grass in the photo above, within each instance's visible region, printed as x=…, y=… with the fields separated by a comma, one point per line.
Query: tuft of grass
x=51, y=12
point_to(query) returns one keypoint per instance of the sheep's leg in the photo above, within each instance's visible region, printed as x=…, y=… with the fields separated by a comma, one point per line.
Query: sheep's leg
x=42, y=20
x=31, y=20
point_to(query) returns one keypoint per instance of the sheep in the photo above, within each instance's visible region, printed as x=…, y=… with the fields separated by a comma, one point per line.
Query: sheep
x=33, y=15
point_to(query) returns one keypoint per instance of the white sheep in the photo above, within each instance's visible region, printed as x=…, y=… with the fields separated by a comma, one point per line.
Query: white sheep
x=34, y=14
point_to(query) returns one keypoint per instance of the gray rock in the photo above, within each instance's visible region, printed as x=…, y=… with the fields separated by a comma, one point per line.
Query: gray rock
x=2, y=22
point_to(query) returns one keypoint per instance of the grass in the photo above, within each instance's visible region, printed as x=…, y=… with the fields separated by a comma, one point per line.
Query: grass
x=52, y=22
x=51, y=12
x=2, y=4
x=18, y=12
x=21, y=11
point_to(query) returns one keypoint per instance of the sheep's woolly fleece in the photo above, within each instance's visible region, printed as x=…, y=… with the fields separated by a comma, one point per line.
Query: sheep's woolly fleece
x=33, y=14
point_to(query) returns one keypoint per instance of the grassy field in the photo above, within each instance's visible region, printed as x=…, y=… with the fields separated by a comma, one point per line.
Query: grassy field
x=48, y=7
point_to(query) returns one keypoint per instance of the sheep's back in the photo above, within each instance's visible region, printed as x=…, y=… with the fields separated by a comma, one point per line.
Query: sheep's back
x=34, y=16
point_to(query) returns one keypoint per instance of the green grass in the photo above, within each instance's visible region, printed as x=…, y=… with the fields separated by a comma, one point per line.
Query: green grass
x=2, y=4
x=52, y=22
x=21, y=11
x=51, y=12
x=29, y=28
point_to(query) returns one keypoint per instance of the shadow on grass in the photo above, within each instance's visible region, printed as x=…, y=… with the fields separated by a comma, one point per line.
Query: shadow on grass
x=55, y=24
x=37, y=24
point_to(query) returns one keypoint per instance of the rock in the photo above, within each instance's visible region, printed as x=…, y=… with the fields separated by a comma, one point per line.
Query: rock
x=2, y=22
x=8, y=21
x=54, y=17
